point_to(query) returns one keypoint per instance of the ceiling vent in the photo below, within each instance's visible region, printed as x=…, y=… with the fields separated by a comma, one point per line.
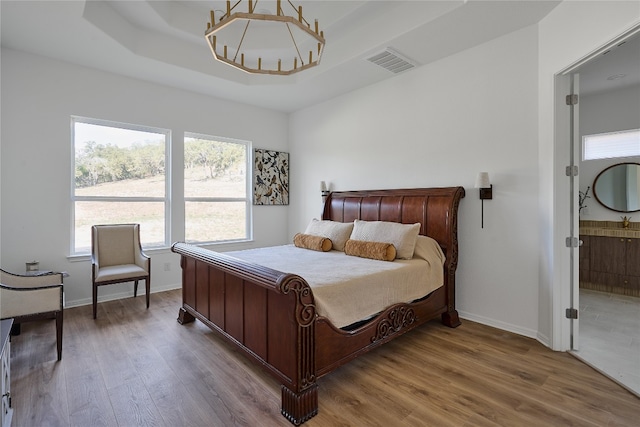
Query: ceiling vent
x=392, y=61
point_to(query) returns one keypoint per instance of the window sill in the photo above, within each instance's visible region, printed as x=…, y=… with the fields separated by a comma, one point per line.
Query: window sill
x=149, y=251
x=228, y=246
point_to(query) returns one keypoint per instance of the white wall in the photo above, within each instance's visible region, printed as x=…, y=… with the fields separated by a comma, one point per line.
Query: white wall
x=570, y=33
x=489, y=108
x=439, y=125
x=483, y=106
x=606, y=112
x=39, y=96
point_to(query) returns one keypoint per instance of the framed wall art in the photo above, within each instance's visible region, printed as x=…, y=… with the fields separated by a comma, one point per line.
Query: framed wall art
x=271, y=177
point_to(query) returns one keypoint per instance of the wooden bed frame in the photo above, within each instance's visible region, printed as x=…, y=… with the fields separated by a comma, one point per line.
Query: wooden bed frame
x=271, y=316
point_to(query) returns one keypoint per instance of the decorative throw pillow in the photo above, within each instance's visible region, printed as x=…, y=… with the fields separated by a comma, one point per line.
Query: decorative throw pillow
x=374, y=250
x=337, y=232
x=316, y=243
x=402, y=236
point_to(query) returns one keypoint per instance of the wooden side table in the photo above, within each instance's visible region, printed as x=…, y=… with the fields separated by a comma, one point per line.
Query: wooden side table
x=5, y=371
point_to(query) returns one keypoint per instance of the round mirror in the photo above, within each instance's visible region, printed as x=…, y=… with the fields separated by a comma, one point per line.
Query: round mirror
x=618, y=187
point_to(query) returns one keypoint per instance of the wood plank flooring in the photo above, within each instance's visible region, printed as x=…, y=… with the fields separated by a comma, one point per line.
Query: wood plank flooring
x=138, y=367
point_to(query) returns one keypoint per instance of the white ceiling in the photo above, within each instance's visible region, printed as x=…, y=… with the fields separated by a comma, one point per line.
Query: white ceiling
x=615, y=68
x=163, y=41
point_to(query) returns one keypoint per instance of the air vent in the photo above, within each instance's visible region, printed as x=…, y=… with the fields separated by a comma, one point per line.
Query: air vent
x=392, y=61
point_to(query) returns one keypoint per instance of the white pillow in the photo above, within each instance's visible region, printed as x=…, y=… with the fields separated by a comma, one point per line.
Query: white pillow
x=337, y=232
x=403, y=236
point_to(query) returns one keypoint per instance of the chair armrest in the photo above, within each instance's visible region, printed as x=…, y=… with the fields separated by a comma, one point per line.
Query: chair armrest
x=142, y=260
x=21, y=301
x=20, y=281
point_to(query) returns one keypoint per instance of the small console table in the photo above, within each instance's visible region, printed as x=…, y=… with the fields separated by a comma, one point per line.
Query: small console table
x=5, y=369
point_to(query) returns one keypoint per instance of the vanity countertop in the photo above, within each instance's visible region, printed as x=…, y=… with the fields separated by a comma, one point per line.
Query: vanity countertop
x=610, y=232
x=609, y=229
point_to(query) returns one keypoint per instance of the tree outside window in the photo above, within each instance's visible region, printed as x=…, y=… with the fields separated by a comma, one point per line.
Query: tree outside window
x=119, y=177
x=216, y=189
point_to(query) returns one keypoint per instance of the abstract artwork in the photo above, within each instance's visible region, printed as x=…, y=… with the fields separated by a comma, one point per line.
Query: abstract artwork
x=271, y=178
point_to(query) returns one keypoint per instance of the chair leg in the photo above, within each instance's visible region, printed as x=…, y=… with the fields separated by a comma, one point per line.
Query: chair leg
x=59, y=334
x=135, y=288
x=95, y=300
x=147, y=283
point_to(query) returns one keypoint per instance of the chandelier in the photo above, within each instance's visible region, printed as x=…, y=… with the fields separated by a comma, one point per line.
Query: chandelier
x=261, y=42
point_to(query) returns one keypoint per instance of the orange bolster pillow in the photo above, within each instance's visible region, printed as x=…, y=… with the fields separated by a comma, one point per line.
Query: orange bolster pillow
x=316, y=243
x=374, y=250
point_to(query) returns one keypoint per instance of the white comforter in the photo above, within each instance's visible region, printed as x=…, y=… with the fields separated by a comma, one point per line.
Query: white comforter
x=348, y=288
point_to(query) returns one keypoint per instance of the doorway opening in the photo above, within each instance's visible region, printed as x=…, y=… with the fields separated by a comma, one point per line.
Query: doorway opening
x=606, y=334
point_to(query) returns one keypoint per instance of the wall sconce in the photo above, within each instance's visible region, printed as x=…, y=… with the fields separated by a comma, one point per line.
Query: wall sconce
x=324, y=191
x=486, y=190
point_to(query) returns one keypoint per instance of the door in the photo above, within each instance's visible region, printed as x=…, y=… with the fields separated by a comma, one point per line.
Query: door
x=608, y=260
x=565, y=329
x=633, y=255
x=574, y=211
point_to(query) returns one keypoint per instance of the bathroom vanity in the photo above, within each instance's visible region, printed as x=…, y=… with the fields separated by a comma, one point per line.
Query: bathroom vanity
x=610, y=251
x=610, y=257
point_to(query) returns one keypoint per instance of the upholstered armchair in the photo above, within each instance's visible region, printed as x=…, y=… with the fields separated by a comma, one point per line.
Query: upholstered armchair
x=117, y=257
x=26, y=298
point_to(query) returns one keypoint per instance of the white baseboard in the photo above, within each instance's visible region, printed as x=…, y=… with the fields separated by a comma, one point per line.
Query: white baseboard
x=543, y=339
x=120, y=295
x=529, y=333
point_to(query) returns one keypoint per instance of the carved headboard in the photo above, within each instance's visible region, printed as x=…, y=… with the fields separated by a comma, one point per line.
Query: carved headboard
x=435, y=208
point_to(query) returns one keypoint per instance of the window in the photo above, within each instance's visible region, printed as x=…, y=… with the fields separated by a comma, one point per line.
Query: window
x=216, y=189
x=120, y=177
x=611, y=145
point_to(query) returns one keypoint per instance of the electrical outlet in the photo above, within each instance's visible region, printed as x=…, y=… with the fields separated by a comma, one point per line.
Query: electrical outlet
x=167, y=266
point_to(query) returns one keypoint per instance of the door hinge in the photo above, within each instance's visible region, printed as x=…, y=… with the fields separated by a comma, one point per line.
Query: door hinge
x=572, y=242
x=572, y=313
x=571, y=170
x=572, y=99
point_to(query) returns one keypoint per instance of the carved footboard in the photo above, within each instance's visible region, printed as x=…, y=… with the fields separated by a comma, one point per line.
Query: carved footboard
x=268, y=314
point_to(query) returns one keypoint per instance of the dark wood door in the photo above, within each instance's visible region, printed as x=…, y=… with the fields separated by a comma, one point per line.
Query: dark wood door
x=608, y=254
x=584, y=258
x=633, y=257
x=608, y=260
x=631, y=279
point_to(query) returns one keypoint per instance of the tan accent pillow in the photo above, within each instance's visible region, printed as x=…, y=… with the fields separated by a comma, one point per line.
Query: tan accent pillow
x=403, y=236
x=338, y=232
x=316, y=243
x=374, y=250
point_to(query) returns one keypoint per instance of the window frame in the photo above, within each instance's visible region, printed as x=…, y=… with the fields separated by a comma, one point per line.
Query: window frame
x=166, y=200
x=248, y=199
x=605, y=135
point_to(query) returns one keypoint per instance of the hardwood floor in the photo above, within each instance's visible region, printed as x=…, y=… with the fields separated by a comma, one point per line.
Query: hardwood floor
x=138, y=367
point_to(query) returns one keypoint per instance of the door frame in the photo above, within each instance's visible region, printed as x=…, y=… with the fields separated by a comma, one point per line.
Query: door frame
x=563, y=295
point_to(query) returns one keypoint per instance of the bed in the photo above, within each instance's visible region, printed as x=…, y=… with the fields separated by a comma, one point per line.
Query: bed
x=272, y=316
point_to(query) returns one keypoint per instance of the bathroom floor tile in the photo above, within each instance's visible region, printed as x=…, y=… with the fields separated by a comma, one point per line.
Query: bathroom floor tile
x=610, y=336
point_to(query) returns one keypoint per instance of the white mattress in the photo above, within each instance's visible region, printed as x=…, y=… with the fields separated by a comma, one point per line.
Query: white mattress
x=348, y=289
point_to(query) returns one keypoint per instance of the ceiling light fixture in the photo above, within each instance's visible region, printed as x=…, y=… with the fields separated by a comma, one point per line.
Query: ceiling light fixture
x=262, y=43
